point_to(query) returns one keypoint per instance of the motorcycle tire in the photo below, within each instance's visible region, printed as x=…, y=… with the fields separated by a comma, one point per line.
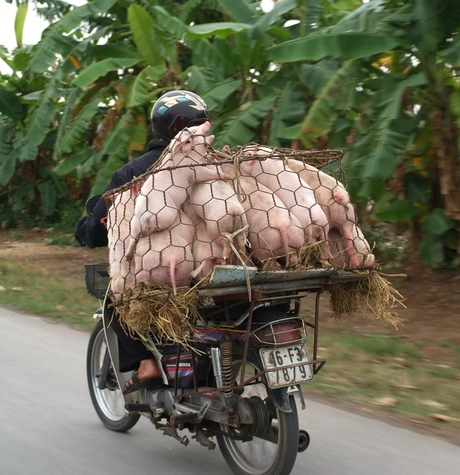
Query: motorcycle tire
x=259, y=456
x=109, y=402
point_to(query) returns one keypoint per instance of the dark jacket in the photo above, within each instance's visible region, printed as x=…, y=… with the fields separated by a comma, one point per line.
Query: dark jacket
x=90, y=231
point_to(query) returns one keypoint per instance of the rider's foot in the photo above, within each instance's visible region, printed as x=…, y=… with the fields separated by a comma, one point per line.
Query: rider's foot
x=147, y=376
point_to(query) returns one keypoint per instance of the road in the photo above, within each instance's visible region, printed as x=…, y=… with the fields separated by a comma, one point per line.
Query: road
x=48, y=425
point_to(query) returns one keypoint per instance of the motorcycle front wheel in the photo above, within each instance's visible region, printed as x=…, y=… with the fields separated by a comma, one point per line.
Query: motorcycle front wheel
x=261, y=456
x=108, y=402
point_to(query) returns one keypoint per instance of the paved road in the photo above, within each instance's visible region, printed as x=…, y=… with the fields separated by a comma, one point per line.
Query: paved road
x=48, y=425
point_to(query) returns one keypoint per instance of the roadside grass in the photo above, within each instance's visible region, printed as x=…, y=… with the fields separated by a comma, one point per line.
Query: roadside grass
x=377, y=372
x=36, y=290
x=385, y=373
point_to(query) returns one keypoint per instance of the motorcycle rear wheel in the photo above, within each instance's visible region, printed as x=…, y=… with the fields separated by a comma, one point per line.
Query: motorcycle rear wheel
x=259, y=456
x=108, y=402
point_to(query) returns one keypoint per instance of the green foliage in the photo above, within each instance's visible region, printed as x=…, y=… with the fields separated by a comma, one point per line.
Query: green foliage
x=62, y=219
x=365, y=77
x=348, y=45
x=100, y=69
x=10, y=104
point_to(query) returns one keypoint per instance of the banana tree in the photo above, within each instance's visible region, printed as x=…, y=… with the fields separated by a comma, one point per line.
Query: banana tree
x=393, y=99
x=98, y=67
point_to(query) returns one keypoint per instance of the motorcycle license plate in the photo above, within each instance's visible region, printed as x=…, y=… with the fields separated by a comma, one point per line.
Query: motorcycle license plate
x=288, y=365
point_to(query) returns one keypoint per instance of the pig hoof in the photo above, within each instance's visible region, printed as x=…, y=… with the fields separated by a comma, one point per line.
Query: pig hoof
x=369, y=260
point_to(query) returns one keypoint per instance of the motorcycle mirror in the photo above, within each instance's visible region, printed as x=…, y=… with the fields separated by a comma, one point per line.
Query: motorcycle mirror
x=91, y=203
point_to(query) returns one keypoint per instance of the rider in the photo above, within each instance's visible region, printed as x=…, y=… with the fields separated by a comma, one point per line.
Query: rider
x=171, y=113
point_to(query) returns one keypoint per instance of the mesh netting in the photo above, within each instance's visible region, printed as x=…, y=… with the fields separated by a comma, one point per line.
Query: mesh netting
x=251, y=205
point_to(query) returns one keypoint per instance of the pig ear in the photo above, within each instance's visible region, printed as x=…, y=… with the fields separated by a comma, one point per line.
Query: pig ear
x=135, y=189
x=206, y=126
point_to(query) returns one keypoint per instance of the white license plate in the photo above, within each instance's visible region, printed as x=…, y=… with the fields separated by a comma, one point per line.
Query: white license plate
x=289, y=365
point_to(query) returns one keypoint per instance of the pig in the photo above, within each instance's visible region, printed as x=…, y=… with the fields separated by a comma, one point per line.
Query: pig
x=165, y=190
x=217, y=204
x=165, y=257
x=361, y=250
x=206, y=251
x=118, y=216
x=274, y=233
x=294, y=192
x=335, y=202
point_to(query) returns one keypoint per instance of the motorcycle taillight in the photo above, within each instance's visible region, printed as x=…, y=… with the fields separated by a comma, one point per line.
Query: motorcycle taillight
x=280, y=332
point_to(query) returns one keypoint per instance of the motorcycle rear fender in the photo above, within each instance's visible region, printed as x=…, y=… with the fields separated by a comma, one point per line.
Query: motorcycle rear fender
x=280, y=397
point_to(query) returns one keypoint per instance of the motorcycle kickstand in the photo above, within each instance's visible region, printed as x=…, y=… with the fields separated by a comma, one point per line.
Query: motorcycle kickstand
x=200, y=436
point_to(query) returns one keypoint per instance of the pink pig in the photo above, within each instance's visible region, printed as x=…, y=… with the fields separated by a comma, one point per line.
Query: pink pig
x=361, y=250
x=165, y=191
x=118, y=216
x=335, y=202
x=165, y=257
x=294, y=192
x=217, y=204
x=206, y=251
x=274, y=233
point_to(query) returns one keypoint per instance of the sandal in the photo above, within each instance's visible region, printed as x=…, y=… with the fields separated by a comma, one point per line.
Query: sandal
x=137, y=384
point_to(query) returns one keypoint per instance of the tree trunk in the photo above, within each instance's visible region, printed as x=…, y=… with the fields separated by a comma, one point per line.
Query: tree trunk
x=448, y=161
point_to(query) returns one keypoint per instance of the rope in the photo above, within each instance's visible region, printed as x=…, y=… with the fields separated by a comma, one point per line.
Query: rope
x=235, y=251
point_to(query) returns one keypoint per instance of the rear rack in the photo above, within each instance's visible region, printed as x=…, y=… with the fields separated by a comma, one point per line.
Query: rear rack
x=232, y=281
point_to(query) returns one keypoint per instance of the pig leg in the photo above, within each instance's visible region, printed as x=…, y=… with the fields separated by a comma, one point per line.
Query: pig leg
x=132, y=242
x=208, y=173
x=206, y=252
x=349, y=232
x=336, y=245
x=355, y=244
x=324, y=249
x=147, y=223
x=367, y=259
x=205, y=267
x=350, y=250
x=234, y=244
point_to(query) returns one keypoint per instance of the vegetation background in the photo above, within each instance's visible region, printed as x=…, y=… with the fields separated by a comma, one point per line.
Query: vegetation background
x=377, y=79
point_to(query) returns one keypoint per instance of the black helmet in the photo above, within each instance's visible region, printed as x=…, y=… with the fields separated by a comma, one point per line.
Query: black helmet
x=176, y=110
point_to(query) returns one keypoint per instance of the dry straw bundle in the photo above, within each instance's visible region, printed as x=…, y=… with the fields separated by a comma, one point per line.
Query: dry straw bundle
x=373, y=297
x=150, y=308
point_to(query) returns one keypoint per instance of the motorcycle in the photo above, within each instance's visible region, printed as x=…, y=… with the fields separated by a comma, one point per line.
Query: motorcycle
x=237, y=381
